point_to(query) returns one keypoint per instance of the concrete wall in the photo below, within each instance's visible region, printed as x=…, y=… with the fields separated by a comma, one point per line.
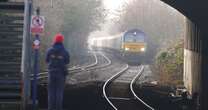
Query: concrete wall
x=191, y=72
x=196, y=62
x=192, y=58
x=204, y=67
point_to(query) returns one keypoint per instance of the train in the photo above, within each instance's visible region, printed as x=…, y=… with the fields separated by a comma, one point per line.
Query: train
x=133, y=41
x=130, y=44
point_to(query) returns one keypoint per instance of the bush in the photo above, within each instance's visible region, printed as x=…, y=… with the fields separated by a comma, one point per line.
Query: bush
x=169, y=64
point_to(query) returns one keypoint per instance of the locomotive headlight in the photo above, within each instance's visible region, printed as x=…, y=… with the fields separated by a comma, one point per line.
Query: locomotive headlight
x=142, y=49
x=126, y=49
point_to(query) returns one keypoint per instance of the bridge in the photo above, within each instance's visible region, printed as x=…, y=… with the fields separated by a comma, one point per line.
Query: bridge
x=15, y=76
x=195, y=67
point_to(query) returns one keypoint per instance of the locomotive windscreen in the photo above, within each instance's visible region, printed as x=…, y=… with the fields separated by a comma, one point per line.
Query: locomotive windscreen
x=134, y=37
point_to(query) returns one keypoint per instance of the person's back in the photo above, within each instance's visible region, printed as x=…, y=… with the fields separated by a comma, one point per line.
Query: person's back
x=57, y=58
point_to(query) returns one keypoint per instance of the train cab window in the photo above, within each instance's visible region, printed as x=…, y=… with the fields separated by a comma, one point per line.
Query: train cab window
x=133, y=38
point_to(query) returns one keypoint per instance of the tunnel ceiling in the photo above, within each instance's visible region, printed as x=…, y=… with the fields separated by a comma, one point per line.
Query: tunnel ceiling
x=195, y=10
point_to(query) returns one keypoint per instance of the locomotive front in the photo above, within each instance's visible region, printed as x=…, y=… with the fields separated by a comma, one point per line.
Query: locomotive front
x=133, y=46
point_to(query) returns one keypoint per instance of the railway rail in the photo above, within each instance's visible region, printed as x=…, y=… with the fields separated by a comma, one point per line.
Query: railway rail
x=124, y=98
x=44, y=75
x=109, y=62
x=92, y=66
x=133, y=91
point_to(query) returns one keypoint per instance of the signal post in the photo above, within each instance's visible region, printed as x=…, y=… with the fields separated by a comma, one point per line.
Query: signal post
x=37, y=28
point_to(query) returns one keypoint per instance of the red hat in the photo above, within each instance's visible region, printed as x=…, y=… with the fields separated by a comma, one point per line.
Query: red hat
x=59, y=38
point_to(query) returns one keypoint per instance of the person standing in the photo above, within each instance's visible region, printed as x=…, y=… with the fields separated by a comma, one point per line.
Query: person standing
x=57, y=59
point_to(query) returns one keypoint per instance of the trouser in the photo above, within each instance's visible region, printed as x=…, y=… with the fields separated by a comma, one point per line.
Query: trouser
x=56, y=82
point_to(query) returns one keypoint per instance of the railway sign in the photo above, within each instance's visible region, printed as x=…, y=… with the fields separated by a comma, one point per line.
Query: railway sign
x=36, y=44
x=37, y=24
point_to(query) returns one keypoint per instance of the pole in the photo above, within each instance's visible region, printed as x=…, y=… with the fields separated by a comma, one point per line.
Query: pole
x=36, y=71
x=36, y=67
x=26, y=60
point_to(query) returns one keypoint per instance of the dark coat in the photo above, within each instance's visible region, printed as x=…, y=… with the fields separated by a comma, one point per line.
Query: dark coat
x=57, y=58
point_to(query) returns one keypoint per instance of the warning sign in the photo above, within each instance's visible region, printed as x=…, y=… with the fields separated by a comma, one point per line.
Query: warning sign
x=36, y=44
x=37, y=24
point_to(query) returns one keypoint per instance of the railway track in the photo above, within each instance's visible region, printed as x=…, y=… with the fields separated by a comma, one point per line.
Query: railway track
x=102, y=64
x=119, y=92
x=95, y=65
x=44, y=75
